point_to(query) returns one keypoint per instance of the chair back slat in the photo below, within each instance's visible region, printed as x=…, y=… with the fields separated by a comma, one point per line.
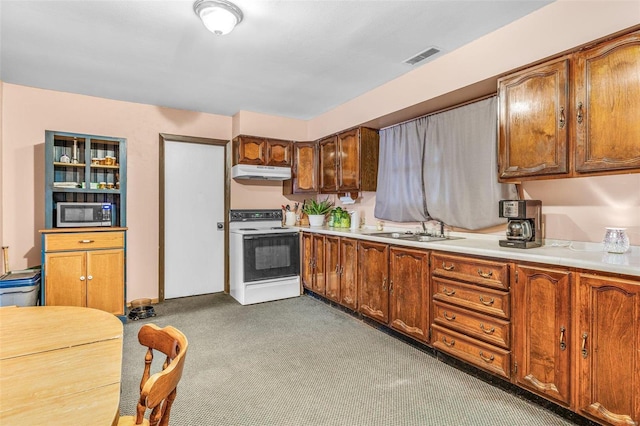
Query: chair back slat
x=158, y=390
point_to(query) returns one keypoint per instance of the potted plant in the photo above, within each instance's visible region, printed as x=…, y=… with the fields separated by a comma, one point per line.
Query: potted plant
x=316, y=210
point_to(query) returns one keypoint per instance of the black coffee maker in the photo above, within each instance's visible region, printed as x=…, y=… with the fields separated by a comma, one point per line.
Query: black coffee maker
x=525, y=221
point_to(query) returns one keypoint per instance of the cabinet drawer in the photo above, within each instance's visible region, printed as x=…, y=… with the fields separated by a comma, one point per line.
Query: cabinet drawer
x=482, y=272
x=482, y=355
x=483, y=327
x=83, y=241
x=485, y=300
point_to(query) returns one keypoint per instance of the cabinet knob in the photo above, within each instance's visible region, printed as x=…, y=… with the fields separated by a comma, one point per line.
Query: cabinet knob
x=90, y=277
x=82, y=278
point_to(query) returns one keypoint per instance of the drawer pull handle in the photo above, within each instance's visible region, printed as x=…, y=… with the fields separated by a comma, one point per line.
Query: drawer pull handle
x=487, y=330
x=485, y=359
x=562, y=118
x=447, y=317
x=563, y=345
x=584, y=351
x=86, y=241
x=448, y=268
x=384, y=284
x=579, y=115
x=489, y=303
x=448, y=293
x=449, y=344
x=485, y=274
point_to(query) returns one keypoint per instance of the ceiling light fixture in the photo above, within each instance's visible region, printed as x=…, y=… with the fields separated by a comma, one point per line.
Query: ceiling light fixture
x=219, y=16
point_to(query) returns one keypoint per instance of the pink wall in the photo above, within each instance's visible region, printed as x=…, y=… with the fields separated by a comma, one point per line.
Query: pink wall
x=574, y=209
x=28, y=112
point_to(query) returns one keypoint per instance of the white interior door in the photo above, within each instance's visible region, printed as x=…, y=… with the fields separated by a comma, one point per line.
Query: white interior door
x=193, y=206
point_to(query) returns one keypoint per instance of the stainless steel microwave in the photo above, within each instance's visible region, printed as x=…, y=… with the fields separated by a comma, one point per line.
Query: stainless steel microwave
x=76, y=215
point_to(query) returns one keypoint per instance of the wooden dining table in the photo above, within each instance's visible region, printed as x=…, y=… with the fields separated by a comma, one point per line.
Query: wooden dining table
x=59, y=365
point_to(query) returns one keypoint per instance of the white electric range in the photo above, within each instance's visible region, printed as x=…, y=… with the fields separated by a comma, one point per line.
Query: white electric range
x=264, y=257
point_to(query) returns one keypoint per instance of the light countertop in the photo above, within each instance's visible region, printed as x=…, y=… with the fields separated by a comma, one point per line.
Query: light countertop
x=554, y=252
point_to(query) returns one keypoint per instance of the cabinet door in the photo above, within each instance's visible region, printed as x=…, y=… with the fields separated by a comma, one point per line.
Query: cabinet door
x=332, y=263
x=349, y=273
x=251, y=150
x=408, y=290
x=607, y=82
x=373, y=280
x=278, y=153
x=305, y=167
x=542, y=315
x=328, y=164
x=349, y=161
x=105, y=280
x=306, y=247
x=608, y=349
x=533, y=122
x=318, y=264
x=65, y=279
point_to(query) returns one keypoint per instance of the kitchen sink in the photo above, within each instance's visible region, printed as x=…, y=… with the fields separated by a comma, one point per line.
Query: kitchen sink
x=409, y=236
x=429, y=238
x=392, y=234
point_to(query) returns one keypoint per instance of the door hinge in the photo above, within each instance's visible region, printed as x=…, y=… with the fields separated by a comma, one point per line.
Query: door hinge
x=429, y=335
x=515, y=368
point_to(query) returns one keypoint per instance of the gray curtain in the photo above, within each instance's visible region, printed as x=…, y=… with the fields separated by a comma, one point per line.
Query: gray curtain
x=400, y=195
x=443, y=167
x=460, y=166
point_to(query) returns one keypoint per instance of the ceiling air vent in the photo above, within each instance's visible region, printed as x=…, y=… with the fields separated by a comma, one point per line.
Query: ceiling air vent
x=422, y=56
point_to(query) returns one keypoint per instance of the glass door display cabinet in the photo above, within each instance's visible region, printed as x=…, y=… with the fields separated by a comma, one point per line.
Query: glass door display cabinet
x=85, y=168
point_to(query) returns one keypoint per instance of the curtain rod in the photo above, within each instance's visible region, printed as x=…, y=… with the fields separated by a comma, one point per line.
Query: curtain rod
x=481, y=98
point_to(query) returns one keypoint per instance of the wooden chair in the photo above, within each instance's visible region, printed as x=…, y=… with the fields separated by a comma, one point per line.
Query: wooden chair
x=158, y=391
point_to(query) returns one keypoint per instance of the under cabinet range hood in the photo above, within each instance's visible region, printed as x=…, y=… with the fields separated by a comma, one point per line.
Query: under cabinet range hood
x=251, y=171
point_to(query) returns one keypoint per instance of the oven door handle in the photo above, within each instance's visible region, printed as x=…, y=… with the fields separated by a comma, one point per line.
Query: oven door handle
x=278, y=234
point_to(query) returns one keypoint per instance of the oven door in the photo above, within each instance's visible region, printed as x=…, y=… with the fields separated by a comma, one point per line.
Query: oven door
x=269, y=256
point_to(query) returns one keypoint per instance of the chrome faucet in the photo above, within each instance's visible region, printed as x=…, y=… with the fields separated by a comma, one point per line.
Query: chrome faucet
x=440, y=226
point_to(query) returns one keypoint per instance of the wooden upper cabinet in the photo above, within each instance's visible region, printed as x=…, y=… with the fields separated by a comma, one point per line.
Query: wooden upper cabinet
x=607, y=347
x=304, y=174
x=607, y=99
x=278, y=153
x=348, y=161
x=261, y=151
x=572, y=116
x=533, y=121
x=328, y=164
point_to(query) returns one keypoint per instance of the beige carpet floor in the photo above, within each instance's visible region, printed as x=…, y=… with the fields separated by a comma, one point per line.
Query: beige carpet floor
x=301, y=362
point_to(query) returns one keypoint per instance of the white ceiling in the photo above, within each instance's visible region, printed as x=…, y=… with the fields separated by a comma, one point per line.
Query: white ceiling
x=295, y=59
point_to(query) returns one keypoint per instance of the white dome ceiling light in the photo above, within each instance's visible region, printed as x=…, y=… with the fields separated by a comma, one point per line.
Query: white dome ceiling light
x=219, y=16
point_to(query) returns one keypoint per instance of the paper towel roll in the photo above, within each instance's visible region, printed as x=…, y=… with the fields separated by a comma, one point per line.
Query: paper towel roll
x=355, y=220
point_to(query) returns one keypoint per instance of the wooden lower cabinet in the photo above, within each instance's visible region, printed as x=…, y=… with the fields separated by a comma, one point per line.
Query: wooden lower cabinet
x=607, y=345
x=471, y=317
x=409, y=292
x=373, y=259
x=542, y=329
x=85, y=269
x=341, y=270
x=313, y=266
x=488, y=357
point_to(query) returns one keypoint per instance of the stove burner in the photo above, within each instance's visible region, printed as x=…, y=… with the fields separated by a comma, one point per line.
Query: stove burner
x=248, y=229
